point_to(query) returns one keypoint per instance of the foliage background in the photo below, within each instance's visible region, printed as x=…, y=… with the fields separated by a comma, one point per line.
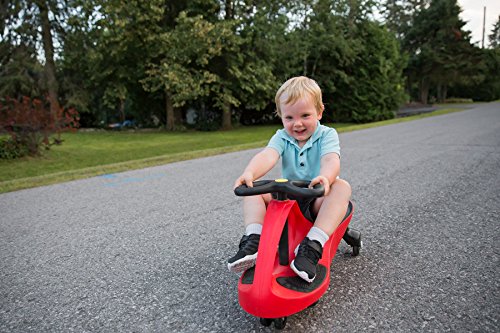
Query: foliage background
x=153, y=61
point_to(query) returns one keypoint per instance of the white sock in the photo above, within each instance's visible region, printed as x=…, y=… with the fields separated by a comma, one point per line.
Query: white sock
x=253, y=228
x=318, y=235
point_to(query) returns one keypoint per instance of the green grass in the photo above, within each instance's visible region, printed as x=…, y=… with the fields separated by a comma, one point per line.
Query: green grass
x=87, y=154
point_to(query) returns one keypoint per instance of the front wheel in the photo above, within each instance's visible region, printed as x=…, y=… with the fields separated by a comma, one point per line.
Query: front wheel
x=355, y=251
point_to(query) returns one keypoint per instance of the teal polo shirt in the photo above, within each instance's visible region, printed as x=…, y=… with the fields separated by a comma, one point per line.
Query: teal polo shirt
x=304, y=163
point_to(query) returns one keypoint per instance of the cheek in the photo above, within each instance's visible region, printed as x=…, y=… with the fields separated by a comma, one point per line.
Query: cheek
x=288, y=127
x=312, y=122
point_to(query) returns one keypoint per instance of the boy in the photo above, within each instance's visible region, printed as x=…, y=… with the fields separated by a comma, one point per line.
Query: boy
x=309, y=151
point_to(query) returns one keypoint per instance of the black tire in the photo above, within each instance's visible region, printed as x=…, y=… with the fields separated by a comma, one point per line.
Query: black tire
x=280, y=323
x=266, y=321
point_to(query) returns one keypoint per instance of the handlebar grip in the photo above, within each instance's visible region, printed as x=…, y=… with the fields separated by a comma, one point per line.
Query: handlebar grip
x=297, y=188
x=259, y=187
x=301, y=189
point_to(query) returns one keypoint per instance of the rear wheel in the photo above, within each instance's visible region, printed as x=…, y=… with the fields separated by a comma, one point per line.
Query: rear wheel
x=265, y=321
x=280, y=323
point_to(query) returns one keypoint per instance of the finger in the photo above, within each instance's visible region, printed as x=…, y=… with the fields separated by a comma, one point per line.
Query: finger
x=238, y=182
x=326, y=185
x=327, y=190
x=314, y=182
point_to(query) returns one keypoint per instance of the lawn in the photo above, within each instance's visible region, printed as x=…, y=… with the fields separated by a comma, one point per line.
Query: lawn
x=86, y=154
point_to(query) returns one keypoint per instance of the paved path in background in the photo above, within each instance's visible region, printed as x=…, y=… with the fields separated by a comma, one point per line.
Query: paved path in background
x=415, y=110
x=145, y=251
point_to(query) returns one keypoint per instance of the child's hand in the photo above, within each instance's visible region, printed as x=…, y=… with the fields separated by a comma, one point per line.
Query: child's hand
x=323, y=181
x=245, y=178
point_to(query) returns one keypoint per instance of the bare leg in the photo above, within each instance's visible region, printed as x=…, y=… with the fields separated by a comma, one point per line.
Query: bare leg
x=332, y=208
x=330, y=211
x=254, y=208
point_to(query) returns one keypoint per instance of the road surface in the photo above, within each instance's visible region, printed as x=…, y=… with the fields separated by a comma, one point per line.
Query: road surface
x=146, y=250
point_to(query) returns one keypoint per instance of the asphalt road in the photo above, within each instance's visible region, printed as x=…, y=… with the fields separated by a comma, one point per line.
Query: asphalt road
x=145, y=251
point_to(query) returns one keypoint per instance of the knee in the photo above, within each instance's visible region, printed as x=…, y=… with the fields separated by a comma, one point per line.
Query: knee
x=341, y=187
x=257, y=199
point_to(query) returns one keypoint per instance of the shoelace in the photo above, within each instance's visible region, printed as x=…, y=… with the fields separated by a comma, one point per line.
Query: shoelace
x=309, y=252
x=249, y=243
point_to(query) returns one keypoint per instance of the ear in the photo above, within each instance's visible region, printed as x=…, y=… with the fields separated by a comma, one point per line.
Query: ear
x=320, y=113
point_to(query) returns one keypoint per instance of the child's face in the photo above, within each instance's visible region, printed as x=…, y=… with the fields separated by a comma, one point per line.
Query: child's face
x=300, y=119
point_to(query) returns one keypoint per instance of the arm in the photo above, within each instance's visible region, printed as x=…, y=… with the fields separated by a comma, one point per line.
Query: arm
x=329, y=171
x=259, y=165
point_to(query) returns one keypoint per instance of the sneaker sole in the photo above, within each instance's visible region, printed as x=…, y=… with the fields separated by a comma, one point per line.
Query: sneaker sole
x=241, y=265
x=303, y=275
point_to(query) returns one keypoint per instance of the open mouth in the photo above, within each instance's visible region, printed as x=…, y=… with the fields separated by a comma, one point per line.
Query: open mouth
x=300, y=132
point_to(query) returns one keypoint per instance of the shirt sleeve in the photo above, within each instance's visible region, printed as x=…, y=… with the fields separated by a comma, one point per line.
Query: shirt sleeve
x=330, y=143
x=277, y=143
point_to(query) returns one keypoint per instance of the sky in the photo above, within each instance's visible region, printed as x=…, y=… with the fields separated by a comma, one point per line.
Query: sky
x=472, y=13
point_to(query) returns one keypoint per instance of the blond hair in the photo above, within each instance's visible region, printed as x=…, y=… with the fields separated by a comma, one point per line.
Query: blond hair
x=296, y=88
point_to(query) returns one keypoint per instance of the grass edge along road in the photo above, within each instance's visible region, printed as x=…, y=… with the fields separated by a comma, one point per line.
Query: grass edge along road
x=87, y=172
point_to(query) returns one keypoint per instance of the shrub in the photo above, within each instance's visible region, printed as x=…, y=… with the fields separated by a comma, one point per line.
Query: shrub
x=11, y=149
x=31, y=124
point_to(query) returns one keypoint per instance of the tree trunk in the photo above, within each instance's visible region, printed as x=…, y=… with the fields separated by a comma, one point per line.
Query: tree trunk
x=409, y=82
x=178, y=116
x=229, y=10
x=424, y=90
x=226, y=109
x=170, y=125
x=439, y=92
x=226, y=117
x=445, y=92
x=50, y=66
x=122, y=110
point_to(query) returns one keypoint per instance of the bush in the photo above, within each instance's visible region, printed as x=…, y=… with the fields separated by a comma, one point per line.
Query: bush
x=208, y=120
x=30, y=125
x=10, y=149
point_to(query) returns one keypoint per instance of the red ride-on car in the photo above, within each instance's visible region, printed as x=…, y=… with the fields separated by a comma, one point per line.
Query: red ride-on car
x=271, y=290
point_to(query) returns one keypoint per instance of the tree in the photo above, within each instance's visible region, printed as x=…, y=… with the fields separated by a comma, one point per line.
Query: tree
x=494, y=37
x=489, y=88
x=440, y=50
x=399, y=14
x=48, y=47
x=373, y=87
x=356, y=62
x=20, y=71
x=245, y=67
x=28, y=23
x=126, y=39
x=182, y=71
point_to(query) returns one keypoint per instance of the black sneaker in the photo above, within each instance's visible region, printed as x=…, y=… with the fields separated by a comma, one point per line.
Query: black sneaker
x=308, y=255
x=247, y=254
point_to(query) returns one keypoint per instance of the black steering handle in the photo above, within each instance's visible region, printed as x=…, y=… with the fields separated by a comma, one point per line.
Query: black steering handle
x=297, y=188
